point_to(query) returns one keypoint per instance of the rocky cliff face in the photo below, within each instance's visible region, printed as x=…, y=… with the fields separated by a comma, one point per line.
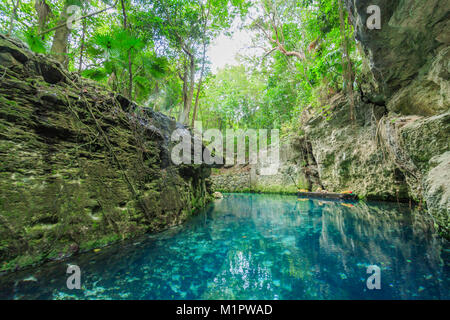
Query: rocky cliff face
x=81, y=167
x=399, y=147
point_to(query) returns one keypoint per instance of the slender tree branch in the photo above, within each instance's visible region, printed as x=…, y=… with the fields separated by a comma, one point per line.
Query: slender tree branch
x=13, y=16
x=269, y=52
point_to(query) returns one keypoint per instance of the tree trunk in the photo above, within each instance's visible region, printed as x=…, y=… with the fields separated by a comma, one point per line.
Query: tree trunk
x=13, y=16
x=194, y=113
x=200, y=81
x=124, y=14
x=156, y=92
x=61, y=40
x=185, y=93
x=83, y=35
x=130, y=78
x=192, y=87
x=43, y=11
x=130, y=70
x=188, y=94
x=199, y=87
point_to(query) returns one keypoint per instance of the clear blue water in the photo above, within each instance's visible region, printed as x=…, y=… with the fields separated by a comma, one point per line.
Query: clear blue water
x=249, y=246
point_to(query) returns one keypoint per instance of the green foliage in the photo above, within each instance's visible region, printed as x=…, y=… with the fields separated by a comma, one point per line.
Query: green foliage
x=35, y=43
x=95, y=74
x=269, y=91
x=231, y=99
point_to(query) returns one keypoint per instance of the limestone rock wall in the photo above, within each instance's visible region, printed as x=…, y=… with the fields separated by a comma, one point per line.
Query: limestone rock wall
x=231, y=182
x=81, y=167
x=409, y=55
x=297, y=169
x=409, y=61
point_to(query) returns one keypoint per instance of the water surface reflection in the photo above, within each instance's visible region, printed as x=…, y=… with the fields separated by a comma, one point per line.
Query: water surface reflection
x=261, y=247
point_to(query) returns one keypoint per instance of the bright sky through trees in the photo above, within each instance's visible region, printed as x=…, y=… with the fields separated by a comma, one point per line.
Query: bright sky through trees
x=225, y=50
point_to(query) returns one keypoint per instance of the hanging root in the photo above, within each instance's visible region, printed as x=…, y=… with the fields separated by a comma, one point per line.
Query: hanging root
x=100, y=132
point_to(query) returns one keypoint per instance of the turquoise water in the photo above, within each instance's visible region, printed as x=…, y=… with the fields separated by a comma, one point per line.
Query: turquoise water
x=260, y=247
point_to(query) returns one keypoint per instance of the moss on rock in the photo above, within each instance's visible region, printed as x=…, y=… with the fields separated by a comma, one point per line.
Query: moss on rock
x=78, y=170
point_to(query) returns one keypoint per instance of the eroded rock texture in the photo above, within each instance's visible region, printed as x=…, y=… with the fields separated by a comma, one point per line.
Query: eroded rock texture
x=80, y=166
x=409, y=55
x=398, y=148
